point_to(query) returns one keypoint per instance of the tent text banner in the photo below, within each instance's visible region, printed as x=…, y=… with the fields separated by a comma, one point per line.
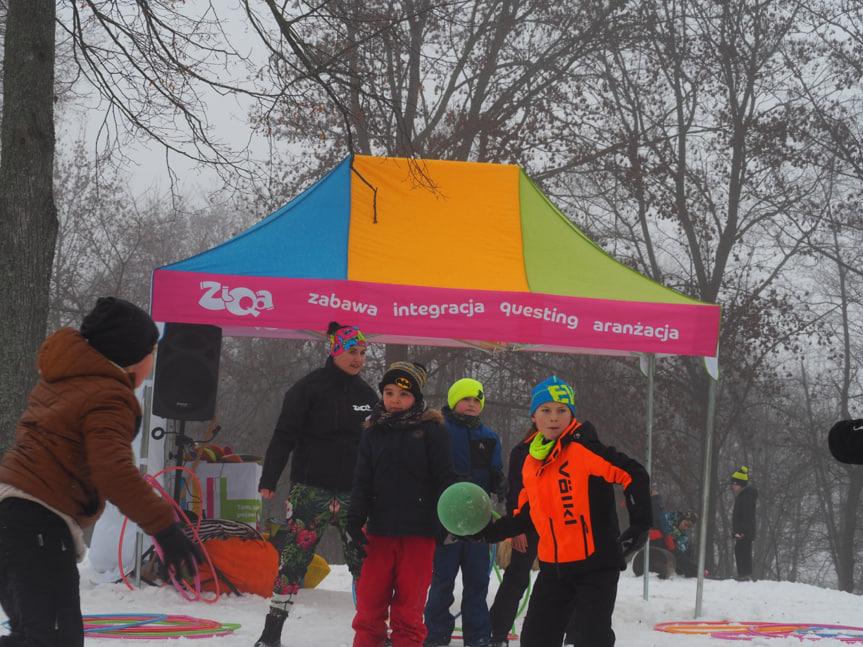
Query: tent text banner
x=259, y=304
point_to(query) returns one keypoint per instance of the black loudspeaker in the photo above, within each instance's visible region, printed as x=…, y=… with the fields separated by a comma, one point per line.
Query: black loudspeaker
x=187, y=372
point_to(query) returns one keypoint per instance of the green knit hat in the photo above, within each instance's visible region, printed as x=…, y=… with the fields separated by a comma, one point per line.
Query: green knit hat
x=465, y=388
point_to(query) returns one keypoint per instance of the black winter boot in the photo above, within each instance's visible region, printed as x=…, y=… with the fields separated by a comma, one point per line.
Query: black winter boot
x=272, y=634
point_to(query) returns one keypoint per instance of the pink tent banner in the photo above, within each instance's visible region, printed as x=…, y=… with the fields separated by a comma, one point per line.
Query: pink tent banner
x=414, y=312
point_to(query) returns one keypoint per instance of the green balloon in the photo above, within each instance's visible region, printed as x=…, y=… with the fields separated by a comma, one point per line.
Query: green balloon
x=464, y=508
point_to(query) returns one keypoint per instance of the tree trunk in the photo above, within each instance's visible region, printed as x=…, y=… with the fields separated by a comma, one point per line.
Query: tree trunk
x=28, y=216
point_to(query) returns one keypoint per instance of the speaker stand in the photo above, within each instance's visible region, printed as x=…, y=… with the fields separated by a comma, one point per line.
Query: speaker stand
x=180, y=442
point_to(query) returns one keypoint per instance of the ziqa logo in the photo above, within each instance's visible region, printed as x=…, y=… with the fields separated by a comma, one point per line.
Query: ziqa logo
x=237, y=301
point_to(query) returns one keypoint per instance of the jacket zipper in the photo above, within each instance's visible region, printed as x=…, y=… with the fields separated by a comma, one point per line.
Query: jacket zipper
x=584, y=537
x=553, y=538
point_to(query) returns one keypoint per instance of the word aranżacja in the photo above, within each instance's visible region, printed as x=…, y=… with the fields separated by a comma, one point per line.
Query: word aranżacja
x=662, y=333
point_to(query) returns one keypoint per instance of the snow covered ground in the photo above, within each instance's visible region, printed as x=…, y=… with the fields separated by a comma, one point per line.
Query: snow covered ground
x=322, y=616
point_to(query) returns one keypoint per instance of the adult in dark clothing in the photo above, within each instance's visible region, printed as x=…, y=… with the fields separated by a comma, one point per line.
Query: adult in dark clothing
x=845, y=440
x=72, y=452
x=320, y=424
x=743, y=522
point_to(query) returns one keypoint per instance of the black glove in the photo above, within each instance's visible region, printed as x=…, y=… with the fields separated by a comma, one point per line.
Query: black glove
x=356, y=538
x=178, y=551
x=633, y=539
x=476, y=538
x=499, y=485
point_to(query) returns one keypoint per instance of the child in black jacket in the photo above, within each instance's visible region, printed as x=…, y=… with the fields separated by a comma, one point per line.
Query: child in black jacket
x=404, y=464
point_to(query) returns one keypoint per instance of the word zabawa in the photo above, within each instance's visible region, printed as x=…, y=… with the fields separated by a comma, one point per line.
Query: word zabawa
x=332, y=301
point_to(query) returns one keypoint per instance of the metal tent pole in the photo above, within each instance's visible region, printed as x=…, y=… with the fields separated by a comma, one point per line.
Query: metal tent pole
x=705, y=491
x=651, y=372
x=143, y=466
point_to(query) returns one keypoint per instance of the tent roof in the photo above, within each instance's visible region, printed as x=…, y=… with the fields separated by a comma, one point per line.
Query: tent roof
x=431, y=252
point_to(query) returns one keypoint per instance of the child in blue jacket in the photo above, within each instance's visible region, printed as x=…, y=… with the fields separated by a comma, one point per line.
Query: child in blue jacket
x=477, y=458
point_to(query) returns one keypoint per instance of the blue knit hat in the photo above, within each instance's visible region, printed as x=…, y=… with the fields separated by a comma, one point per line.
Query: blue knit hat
x=552, y=390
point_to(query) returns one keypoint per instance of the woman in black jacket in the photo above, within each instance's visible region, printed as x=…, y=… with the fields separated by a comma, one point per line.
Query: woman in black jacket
x=320, y=424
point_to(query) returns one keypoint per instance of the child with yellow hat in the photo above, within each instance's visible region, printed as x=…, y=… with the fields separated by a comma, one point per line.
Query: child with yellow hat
x=477, y=458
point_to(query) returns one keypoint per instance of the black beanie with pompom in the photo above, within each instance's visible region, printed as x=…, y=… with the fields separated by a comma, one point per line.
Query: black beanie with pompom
x=120, y=330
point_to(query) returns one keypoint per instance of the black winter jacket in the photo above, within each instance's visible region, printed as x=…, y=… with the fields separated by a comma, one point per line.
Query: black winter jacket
x=399, y=477
x=743, y=515
x=321, y=423
x=516, y=483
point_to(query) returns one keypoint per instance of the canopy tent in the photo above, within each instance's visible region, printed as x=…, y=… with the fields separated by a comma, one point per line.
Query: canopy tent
x=436, y=253
x=431, y=253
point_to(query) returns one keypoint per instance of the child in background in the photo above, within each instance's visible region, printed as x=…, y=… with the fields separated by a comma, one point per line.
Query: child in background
x=567, y=500
x=72, y=451
x=477, y=458
x=403, y=465
x=681, y=525
x=516, y=576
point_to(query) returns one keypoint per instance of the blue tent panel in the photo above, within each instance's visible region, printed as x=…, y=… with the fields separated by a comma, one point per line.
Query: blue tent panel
x=307, y=238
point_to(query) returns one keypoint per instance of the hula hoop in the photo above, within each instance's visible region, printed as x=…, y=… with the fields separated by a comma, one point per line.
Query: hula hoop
x=93, y=623
x=155, y=626
x=695, y=627
x=750, y=630
x=191, y=592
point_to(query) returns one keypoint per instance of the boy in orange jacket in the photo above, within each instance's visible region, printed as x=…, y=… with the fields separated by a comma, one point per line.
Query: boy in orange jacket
x=567, y=499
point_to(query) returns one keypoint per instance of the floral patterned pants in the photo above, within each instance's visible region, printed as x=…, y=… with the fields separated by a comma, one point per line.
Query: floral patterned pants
x=311, y=510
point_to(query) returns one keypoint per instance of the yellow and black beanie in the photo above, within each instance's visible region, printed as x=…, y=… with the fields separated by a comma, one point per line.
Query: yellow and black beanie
x=409, y=376
x=740, y=477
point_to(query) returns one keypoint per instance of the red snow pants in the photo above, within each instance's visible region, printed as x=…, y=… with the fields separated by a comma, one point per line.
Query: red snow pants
x=394, y=581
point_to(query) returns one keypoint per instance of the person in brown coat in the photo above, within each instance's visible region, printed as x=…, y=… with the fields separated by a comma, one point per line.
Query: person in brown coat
x=72, y=451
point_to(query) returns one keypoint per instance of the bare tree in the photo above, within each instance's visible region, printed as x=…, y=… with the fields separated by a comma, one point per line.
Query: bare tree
x=28, y=218
x=155, y=65
x=464, y=80
x=684, y=166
